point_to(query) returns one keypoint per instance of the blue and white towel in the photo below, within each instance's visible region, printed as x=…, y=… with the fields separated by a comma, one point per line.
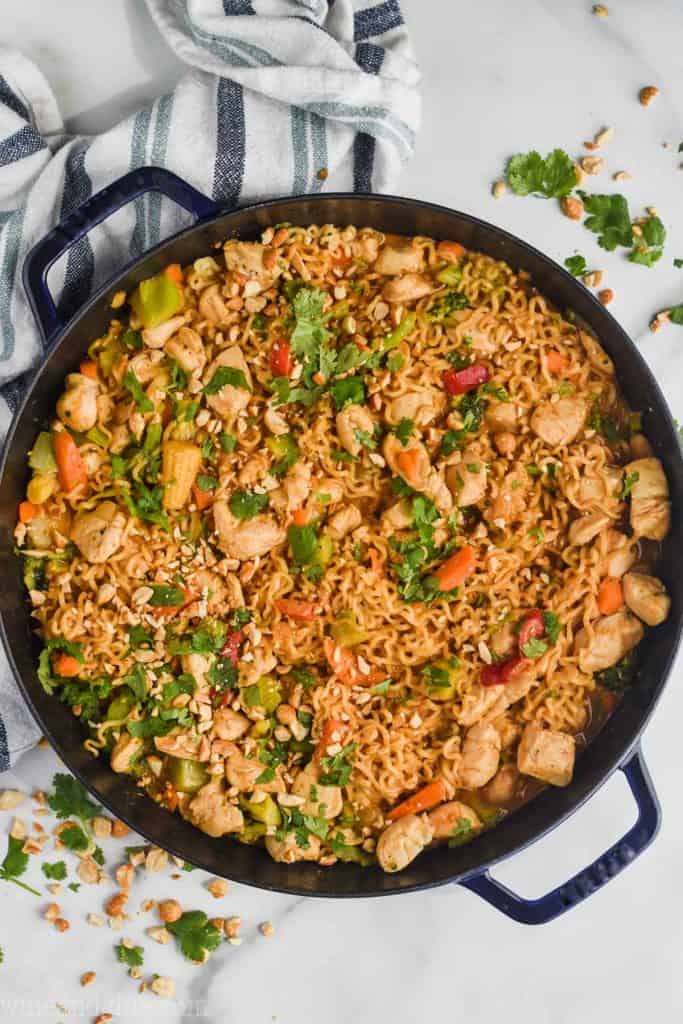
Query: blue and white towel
x=275, y=92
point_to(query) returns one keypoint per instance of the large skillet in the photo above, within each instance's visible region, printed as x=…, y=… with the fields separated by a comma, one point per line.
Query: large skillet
x=616, y=746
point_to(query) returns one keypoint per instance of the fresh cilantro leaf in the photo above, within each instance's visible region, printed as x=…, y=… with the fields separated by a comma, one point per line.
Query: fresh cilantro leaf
x=228, y=443
x=47, y=677
x=132, y=384
x=365, y=439
x=206, y=483
x=649, y=246
x=531, y=174
x=676, y=314
x=348, y=391
x=619, y=677
x=74, y=886
x=382, y=689
x=241, y=617
x=444, y=306
x=305, y=677
x=247, y=504
x=188, y=867
x=310, y=338
x=404, y=429
x=553, y=627
x=462, y=832
x=138, y=637
x=137, y=682
x=74, y=838
x=629, y=480
x=336, y=770
x=130, y=957
x=459, y=360
x=166, y=596
x=15, y=863
x=224, y=376
x=534, y=648
x=303, y=543
x=55, y=872
x=196, y=937
x=267, y=775
x=223, y=674
x=678, y=262
x=395, y=362
x=576, y=265
x=70, y=799
x=339, y=455
x=609, y=218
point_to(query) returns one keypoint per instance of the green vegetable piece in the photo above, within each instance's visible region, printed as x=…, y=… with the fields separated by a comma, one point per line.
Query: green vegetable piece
x=185, y=775
x=576, y=265
x=109, y=356
x=395, y=337
x=269, y=693
x=529, y=173
x=41, y=457
x=247, y=504
x=156, y=300
x=441, y=680
x=131, y=957
x=99, y=437
x=71, y=798
x=450, y=275
x=15, y=864
x=609, y=218
x=55, y=872
x=348, y=391
x=350, y=854
x=252, y=832
x=197, y=938
x=285, y=451
x=346, y=631
x=121, y=706
x=266, y=811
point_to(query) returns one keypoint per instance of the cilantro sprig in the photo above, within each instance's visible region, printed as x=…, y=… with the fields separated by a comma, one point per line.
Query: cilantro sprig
x=550, y=176
x=196, y=937
x=15, y=863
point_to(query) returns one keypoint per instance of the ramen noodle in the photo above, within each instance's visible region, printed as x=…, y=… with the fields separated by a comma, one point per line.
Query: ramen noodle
x=341, y=543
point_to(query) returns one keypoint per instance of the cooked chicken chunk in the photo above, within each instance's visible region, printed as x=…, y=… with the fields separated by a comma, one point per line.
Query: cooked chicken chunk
x=344, y=521
x=480, y=756
x=560, y=422
x=125, y=750
x=547, y=755
x=212, y=306
x=349, y=421
x=187, y=348
x=647, y=598
x=157, y=337
x=503, y=786
x=501, y=416
x=288, y=851
x=446, y=820
x=402, y=841
x=394, y=260
x=247, y=258
x=77, y=407
x=98, y=534
x=612, y=637
x=410, y=462
x=467, y=479
x=419, y=406
x=408, y=288
x=585, y=528
x=621, y=554
x=242, y=772
x=229, y=724
x=510, y=500
x=230, y=401
x=650, y=507
x=211, y=811
x=245, y=539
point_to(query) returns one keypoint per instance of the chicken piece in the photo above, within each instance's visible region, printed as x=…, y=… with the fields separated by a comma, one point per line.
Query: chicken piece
x=288, y=851
x=321, y=801
x=501, y=416
x=506, y=443
x=125, y=751
x=211, y=587
x=187, y=348
x=546, y=755
x=585, y=528
x=120, y=439
x=156, y=337
x=350, y=420
x=211, y=811
x=597, y=356
x=230, y=401
x=408, y=288
x=558, y=423
x=183, y=745
x=394, y=260
x=211, y=305
x=242, y=772
x=467, y=480
x=247, y=258
x=229, y=724
x=502, y=787
x=602, y=489
x=621, y=554
x=98, y=534
x=647, y=598
x=480, y=755
x=254, y=470
x=398, y=516
x=180, y=462
x=478, y=702
x=504, y=641
x=452, y=819
x=197, y=666
x=613, y=637
x=77, y=407
x=344, y=521
x=650, y=508
x=402, y=841
x=411, y=462
x=437, y=490
x=365, y=248
x=419, y=406
x=510, y=500
x=275, y=422
x=294, y=490
x=245, y=539
x=145, y=365
x=332, y=490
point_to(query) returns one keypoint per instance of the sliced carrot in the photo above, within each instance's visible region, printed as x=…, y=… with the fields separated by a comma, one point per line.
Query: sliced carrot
x=167, y=611
x=66, y=665
x=300, y=516
x=455, y=570
x=202, y=499
x=70, y=466
x=28, y=511
x=89, y=369
x=408, y=462
x=451, y=251
x=300, y=611
x=175, y=272
x=610, y=596
x=556, y=362
x=332, y=729
x=432, y=794
x=375, y=559
x=345, y=666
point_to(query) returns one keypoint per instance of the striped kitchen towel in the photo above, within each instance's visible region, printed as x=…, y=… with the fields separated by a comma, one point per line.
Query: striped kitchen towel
x=280, y=97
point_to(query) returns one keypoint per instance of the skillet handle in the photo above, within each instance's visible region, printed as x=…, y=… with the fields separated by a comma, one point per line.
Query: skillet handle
x=87, y=216
x=597, y=874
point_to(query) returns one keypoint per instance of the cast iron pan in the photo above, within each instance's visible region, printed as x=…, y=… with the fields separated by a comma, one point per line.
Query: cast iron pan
x=616, y=746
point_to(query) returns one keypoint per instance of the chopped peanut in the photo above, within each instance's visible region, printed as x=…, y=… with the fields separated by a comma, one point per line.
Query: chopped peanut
x=11, y=798
x=592, y=164
x=572, y=207
x=115, y=906
x=159, y=934
x=498, y=189
x=88, y=978
x=218, y=887
x=606, y=296
x=119, y=830
x=169, y=911
x=124, y=876
x=593, y=279
x=647, y=94
x=163, y=987
x=267, y=929
x=62, y=925
x=101, y=826
x=51, y=912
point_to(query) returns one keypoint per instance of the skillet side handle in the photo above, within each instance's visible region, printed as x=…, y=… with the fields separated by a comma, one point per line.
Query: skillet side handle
x=597, y=874
x=92, y=212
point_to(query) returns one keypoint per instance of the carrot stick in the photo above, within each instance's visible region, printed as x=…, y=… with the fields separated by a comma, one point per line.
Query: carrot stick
x=556, y=362
x=28, y=511
x=175, y=272
x=66, y=665
x=300, y=516
x=300, y=611
x=610, y=596
x=89, y=369
x=70, y=466
x=331, y=727
x=456, y=569
x=409, y=463
x=432, y=794
x=202, y=499
x=452, y=251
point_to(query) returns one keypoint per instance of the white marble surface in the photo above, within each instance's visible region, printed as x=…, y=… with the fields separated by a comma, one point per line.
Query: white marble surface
x=499, y=77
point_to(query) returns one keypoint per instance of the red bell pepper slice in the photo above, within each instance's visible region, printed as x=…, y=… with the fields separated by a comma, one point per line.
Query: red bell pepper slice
x=281, y=359
x=458, y=382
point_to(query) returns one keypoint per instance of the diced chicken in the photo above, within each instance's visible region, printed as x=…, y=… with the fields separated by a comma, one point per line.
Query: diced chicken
x=398, y=516
x=245, y=539
x=229, y=724
x=601, y=489
x=546, y=755
x=650, y=508
x=242, y=772
x=120, y=439
x=294, y=490
x=365, y=247
x=402, y=841
x=437, y=490
x=211, y=305
x=211, y=811
x=453, y=818
x=501, y=416
x=612, y=637
x=156, y=337
x=344, y=521
x=197, y=666
x=125, y=751
x=254, y=470
x=621, y=554
x=288, y=851
x=506, y=443
x=585, y=528
x=187, y=348
x=477, y=702
x=419, y=406
x=350, y=420
x=145, y=365
x=394, y=260
x=480, y=756
x=503, y=786
x=331, y=488
x=230, y=401
x=184, y=745
x=597, y=356
x=275, y=422
x=560, y=422
x=411, y=462
x=98, y=534
x=180, y=462
x=510, y=500
x=247, y=258
x=503, y=641
x=77, y=407
x=321, y=801
x=467, y=479
x=408, y=288
x=647, y=598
